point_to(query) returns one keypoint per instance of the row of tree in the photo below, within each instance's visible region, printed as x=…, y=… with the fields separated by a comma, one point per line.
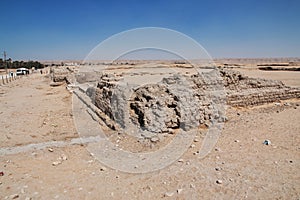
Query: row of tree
x=19, y=64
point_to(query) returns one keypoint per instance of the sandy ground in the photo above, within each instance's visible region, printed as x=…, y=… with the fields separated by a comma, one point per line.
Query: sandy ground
x=33, y=112
x=290, y=78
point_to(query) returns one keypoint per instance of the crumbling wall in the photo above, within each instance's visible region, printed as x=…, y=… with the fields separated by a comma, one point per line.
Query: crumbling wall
x=243, y=91
x=186, y=101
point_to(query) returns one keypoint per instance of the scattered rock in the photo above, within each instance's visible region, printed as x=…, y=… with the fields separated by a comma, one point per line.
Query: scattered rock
x=219, y=181
x=55, y=84
x=50, y=149
x=64, y=157
x=55, y=163
x=218, y=168
x=154, y=139
x=103, y=168
x=169, y=194
x=14, y=196
x=1, y=173
x=237, y=141
x=196, y=140
x=180, y=160
x=179, y=190
x=267, y=142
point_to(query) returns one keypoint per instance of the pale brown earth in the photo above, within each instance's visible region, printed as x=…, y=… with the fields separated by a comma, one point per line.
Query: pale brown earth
x=33, y=112
x=290, y=78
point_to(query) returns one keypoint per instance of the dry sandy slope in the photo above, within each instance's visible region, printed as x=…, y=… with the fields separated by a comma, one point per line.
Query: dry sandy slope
x=247, y=168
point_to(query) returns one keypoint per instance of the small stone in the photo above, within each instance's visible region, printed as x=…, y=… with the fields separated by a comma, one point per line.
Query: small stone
x=55, y=163
x=34, y=154
x=103, y=169
x=218, y=168
x=64, y=157
x=196, y=140
x=237, y=141
x=217, y=149
x=192, y=185
x=192, y=146
x=267, y=142
x=180, y=160
x=219, y=181
x=14, y=196
x=1, y=173
x=179, y=190
x=28, y=198
x=169, y=194
x=50, y=149
x=154, y=139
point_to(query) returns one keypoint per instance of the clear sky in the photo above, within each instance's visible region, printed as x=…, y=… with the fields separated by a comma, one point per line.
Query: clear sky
x=54, y=30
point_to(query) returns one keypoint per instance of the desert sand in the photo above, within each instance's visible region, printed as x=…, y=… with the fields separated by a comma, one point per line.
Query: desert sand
x=240, y=166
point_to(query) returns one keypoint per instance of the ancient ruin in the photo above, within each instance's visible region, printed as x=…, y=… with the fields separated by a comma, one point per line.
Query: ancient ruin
x=177, y=101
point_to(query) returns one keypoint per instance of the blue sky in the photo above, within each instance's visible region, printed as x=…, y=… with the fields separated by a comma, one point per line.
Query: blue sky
x=54, y=30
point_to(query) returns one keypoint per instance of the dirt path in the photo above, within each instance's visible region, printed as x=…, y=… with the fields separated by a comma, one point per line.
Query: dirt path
x=247, y=168
x=32, y=112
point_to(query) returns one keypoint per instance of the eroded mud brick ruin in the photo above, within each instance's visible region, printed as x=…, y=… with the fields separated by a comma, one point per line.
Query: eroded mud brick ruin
x=177, y=101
